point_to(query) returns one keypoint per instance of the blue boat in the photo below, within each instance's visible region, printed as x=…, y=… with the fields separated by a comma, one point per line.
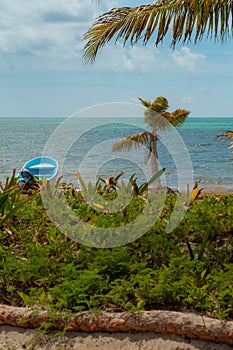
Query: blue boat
x=39, y=167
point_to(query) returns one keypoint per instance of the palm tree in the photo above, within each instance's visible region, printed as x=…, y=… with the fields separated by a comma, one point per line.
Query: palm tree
x=189, y=19
x=158, y=118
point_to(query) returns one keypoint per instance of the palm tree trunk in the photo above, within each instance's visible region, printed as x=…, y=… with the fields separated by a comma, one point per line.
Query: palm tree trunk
x=154, y=159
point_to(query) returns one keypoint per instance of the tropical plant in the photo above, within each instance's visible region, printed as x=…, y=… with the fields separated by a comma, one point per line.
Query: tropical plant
x=228, y=135
x=196, y=191
x=109, y=184
x=189, y=20
x=111, y=187
x=139, y=191
x=12, y=198
x=158, y=118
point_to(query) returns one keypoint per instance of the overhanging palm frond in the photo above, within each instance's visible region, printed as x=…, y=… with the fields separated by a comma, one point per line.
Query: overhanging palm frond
x=133, y=141
x=190, y=19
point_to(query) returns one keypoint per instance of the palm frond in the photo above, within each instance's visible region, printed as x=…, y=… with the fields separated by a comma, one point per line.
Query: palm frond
x=156, y=120
x=145, y=103
x=160, y=104
x=228, y=134
x=155, y=112
x=190, y=20
x=196, y=191
x=157, y=117
x=178, y=117
x=133, y=141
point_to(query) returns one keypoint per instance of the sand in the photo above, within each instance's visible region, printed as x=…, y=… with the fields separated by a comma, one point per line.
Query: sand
x=16, y=338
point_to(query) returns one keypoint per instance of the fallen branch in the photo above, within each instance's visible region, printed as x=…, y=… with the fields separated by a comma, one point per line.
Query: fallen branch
x=163, y=322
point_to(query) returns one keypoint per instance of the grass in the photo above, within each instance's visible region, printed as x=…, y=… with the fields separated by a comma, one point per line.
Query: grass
x=189, y=269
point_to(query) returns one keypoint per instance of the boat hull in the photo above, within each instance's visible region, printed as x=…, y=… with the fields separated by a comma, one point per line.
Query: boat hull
x=40, y=167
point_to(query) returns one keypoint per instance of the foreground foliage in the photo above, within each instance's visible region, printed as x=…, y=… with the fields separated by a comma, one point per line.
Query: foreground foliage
x=190, y=268
x=11, y=198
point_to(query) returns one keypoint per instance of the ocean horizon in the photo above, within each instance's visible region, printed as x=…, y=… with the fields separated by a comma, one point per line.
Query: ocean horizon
x=23, y=138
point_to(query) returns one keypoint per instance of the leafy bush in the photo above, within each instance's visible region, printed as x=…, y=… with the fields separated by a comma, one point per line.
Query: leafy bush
x=190, y=268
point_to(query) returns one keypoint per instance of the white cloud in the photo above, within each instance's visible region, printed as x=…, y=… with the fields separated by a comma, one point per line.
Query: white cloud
x=116, y=58
x=51, y=31
x=188, y=60
x=147, y=59
x=34, y=27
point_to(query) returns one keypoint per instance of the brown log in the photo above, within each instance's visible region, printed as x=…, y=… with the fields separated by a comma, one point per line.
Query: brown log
x=187, y=325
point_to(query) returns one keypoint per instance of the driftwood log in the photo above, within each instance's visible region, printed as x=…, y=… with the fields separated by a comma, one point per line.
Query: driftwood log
x=187, y=325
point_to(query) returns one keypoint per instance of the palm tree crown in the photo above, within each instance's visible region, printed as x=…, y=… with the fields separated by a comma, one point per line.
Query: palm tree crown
x=157, y=117
x=189, y=19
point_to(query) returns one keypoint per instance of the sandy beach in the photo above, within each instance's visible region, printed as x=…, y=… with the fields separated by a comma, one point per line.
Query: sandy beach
x=15, y=338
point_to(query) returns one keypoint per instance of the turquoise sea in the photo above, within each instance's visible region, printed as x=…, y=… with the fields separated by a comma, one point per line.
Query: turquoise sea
x=24, y=138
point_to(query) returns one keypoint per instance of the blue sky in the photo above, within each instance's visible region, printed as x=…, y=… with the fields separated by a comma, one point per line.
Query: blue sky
x=43, y=74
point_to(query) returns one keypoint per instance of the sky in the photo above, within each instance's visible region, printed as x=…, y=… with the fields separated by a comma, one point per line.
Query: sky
x=43, y=73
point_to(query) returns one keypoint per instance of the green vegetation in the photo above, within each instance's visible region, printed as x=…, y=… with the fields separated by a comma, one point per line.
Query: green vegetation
x=10, y=198
x=188, y=269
